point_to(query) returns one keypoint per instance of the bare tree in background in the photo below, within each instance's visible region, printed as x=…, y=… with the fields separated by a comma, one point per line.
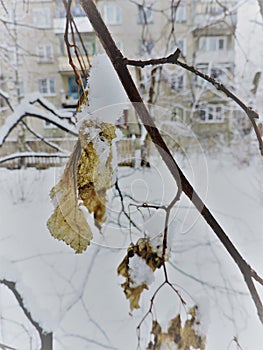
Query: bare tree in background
x=141, y=249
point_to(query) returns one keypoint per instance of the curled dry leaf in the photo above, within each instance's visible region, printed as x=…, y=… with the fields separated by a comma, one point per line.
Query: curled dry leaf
x=86, y=178
x=184, y=337
x=144, y=250
x=94, y=167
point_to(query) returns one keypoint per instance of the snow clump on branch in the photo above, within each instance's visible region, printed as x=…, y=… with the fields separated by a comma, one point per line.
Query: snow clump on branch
x=106, y=96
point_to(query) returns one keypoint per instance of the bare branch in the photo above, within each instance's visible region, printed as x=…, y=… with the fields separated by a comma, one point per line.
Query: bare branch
x=27, y=109
x=33, y=154
x=41, y=138
x=118, y=62
x=173, y=59
x=46, y=338
x=6, y=347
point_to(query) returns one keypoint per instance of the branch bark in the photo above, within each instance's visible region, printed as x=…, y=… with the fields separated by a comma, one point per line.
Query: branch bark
x=173, y=59
x=46, y=338
x=183, y=184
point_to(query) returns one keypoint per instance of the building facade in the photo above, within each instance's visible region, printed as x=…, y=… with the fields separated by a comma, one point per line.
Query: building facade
x=34, y=56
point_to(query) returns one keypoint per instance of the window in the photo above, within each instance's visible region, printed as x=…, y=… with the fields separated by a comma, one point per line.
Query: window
x=76, y=9
x=178, y=114
x=146, y=46
x=212, y=43
x=119, y=44
x=74, y=90
x=222, y=73
x=2, y=100
x=47, y=86
x=211, y=113
x=180, y=13
x=177, y=82
x=48, y=125
x=145, y=14
x=42, y=18
x=178, y=43
x=112, y=14
x=88, y=40
x=14, y=55
x=211, y=7
x=181, y=45
x=21, y=88
x=45, y=53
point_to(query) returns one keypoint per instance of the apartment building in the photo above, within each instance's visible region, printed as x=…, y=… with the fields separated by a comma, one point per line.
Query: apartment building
x=204, y=31
x=34, y=56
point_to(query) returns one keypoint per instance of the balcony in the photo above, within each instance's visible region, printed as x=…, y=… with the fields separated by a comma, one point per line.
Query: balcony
x=207, y=14
x=64, y=67
x=215, y=56
x=68, y=101
x=82, y=23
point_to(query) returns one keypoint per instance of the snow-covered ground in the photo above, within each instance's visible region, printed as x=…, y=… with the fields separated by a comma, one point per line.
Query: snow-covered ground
x=80, y=298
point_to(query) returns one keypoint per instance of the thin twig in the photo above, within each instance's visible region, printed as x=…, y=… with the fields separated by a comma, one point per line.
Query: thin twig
x=45, y=337
x=173, y=59
x=118, y=62
x=123, y=207
x=41, y=138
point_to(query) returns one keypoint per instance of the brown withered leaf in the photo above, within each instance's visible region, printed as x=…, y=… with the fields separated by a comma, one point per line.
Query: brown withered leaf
x=94, y=174
x=190, y=337
x=85, y=181
x=185, y=337
x=133, y=294
x=144, y=250
x=67, y=222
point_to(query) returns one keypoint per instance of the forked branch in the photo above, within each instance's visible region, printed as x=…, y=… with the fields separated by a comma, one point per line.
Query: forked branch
x=120, y=66
x=173, y=59
x=46, y=338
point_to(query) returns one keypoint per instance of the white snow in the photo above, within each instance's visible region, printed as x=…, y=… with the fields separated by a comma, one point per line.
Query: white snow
x=11, y=273
x=249, y=54
x=4, y=94
x=89, y=309
x=33, y=154
x=8, y=271
x=140, y=272
x=107, y=98
x=26, y=108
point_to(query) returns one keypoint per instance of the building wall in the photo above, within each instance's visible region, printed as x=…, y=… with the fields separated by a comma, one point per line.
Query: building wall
x=39, y=61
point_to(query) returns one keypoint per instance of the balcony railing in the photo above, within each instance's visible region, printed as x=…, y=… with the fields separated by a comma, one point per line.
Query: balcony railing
x=82, y=23
x=213, y=12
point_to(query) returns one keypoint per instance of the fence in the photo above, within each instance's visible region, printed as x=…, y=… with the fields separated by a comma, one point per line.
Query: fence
x=125, y=155
x=126, y=152
x=39, y=162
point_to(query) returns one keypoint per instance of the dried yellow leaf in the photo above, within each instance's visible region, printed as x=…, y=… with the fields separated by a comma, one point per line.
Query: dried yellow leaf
x=184, y=337
x=68, y=223
x=94, y=169
x=133, y=294
x=85, y=180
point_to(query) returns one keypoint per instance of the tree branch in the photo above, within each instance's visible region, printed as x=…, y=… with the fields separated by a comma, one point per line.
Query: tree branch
x=46, y=338
x=32, y=154
x=173, y=59
x=183, y=184
x=41, y=138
